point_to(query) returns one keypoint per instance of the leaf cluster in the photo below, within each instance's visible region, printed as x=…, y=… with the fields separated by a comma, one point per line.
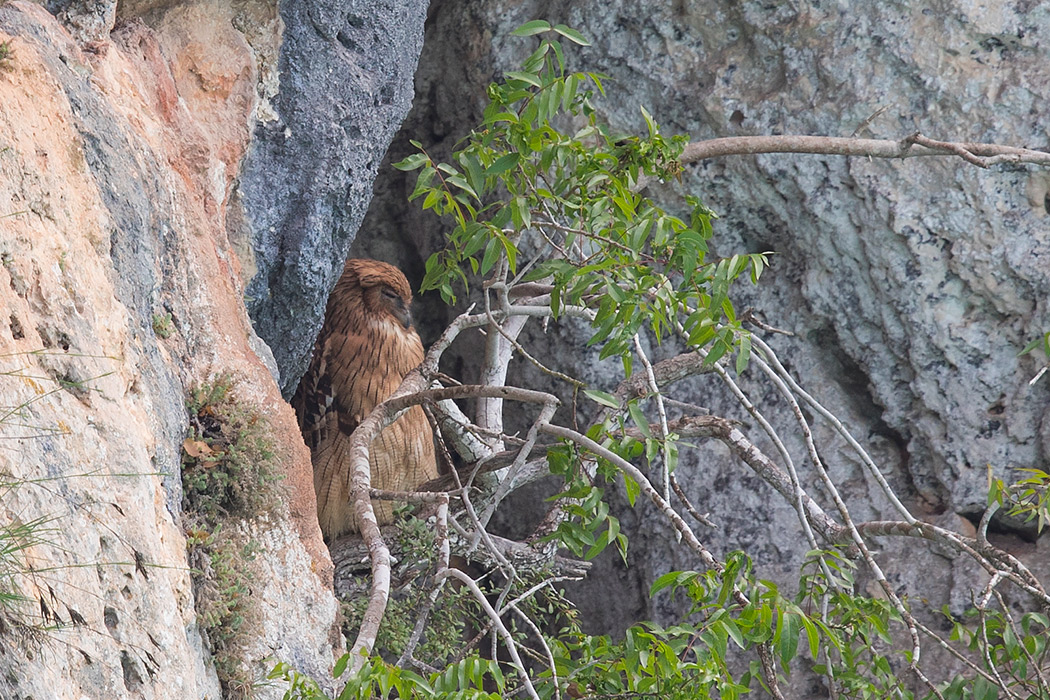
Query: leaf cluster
x=1018, y=652
x=447, y=625
x=544, y=191
x=588, y=527
x=1027, y=498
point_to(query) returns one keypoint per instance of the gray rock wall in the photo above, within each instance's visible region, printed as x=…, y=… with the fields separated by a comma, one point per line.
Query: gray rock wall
x=346, y=83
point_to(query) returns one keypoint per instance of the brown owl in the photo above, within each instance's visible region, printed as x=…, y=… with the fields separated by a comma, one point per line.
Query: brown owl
x=366, y=347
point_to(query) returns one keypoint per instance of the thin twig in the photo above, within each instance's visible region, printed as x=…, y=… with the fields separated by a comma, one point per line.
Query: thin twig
x=494, y=617
x=661, y=411
x=702, y=519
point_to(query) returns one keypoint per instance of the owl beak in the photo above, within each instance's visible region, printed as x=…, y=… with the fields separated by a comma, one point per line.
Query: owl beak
x=404, y=314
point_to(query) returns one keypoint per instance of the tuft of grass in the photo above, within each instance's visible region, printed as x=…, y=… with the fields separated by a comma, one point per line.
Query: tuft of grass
x=7, y=52
x=229, y=475
x=163, y=325
x=16, y=537
x=229, y=469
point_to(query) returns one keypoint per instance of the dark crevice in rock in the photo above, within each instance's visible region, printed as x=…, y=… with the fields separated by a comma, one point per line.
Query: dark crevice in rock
x=109, y=617
x=132, y=677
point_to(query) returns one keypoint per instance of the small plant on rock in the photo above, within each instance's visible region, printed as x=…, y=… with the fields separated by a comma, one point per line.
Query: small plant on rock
x=163, y=325
x=229, y=476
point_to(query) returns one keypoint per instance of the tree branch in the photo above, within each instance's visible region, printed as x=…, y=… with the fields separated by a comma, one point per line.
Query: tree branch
x=724, y=431
x=916, y=145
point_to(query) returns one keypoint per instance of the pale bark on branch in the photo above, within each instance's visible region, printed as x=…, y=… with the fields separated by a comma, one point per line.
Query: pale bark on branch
x=916, y=145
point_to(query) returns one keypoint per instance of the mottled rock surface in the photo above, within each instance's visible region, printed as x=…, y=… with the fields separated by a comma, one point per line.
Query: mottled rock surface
x=911, y=286
x=346, y=84
x=120, y=291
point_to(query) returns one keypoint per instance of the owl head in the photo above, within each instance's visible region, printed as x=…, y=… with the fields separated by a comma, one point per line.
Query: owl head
x=384, y=289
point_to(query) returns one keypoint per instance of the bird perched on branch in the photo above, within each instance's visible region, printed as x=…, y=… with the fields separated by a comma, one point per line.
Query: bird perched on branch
x=366, y=347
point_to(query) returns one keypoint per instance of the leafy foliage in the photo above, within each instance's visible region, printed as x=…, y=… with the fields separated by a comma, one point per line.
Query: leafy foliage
x=447, y=624
x=1027, y=498
x=521, y=187
x=228, y=464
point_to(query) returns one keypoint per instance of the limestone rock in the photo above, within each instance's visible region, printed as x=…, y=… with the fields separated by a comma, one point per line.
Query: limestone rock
x=119, y=291
x=346, y=72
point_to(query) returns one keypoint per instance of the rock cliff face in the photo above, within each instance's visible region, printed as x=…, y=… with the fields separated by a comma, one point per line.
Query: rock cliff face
x=168, y=167
x=911, y=286
x=126, y=241
x=346, y=71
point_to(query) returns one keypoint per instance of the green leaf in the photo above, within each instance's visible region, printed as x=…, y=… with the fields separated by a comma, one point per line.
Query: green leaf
x=813, y=636
x=734, y=632
x=744, y=353
x=639, y=418
x=536, y=26
x=569, y=92
x=475, y=173
x=671, y=454
x=511, y=252
x=524, y=77
x=416, y=160
x=559, y=55
x=502, y=117
x=423, y=180
x=631, y=489
x=1044, y=341
x=649, y=121
x=983, y=690
x=461, y=182
x=720, y=347
x=521, y=215
x=602, y=397
x=572, y=35
x=503, y=164
x=492, y=251
x=614, y=291
x=788, y=643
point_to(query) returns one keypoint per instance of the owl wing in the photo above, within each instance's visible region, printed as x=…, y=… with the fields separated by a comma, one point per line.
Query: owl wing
x=321, y=416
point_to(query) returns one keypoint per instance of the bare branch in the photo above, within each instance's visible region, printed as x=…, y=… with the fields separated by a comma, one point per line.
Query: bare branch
x=665, y=372
x=689, y=508
x=360, y=486
x=866, y=460
x=916, y=145
x=492, y=615
x=723, y=430
x=661, y=411
x=992, y=559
